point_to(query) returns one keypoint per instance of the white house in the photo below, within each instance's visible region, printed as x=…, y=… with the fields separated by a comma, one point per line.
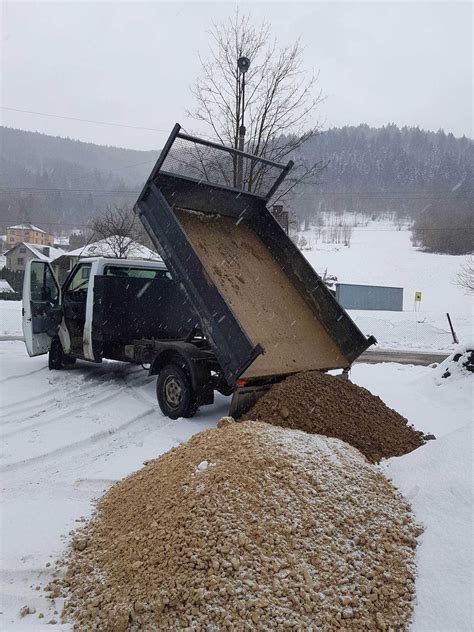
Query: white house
x=18, y=256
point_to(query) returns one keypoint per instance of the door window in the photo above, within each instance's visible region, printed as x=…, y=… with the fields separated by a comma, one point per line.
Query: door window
x=43, y=284
x=137, y=273
x=76, y=288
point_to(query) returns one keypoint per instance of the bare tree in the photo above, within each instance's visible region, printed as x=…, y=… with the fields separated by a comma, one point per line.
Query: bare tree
x=280, y=98
x=120, y=229
x=465, y=276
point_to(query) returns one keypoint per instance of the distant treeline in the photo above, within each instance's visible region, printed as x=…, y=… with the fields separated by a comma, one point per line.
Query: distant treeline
x=386, y=170
x=420, y=175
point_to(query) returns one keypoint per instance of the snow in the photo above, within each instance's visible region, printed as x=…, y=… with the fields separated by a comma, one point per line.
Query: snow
x=380, y=254
x=437, y=480
x=5, y=286
x=68, y=435
x=39, y=252
x=103, y=248
x=10, y=318
x=28, y=227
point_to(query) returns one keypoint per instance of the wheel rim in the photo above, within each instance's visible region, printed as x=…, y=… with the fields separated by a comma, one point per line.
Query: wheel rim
x=173, y=391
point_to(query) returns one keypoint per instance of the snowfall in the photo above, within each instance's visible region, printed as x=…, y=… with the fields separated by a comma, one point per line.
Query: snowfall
x=68, y=435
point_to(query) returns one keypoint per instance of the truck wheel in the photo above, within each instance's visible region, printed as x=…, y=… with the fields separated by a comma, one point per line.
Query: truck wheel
x=174, y=392
x=57, y=359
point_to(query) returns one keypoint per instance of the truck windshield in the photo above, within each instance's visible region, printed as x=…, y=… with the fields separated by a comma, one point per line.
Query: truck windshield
x=137, y=273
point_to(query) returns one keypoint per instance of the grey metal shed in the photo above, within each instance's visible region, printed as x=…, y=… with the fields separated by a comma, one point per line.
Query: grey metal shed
x=378, y=297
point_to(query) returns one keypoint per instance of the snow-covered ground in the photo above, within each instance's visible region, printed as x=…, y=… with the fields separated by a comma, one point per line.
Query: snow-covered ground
x=380, y=254
x=10, y=318
x=68, y=435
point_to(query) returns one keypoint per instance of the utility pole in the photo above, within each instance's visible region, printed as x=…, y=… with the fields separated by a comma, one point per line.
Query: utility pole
x=243, y=64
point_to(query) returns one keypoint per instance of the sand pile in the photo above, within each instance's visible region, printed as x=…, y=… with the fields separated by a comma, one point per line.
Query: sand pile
x=246, y=527
x=323, y=404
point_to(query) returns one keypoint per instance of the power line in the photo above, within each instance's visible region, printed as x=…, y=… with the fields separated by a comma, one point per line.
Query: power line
x=75, y=118
x=321, y=228
x=136, y=164
x=64, y=190
x=371, y=195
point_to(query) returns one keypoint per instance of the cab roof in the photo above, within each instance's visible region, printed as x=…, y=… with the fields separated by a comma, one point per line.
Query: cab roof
x=125, y=263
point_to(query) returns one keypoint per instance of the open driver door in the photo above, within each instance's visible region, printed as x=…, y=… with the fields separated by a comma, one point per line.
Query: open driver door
x=41, y=313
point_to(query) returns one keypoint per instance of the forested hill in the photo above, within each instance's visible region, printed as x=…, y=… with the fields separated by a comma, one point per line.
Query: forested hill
x=387, y=169
x=62, y=182
x=59, y=182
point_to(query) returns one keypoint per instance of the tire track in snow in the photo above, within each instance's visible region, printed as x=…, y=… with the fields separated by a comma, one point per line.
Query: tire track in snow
x=45, y=400
x=69, y=400
x=22, y=375
x=63, y=412
x=76, y=445
x=29, y=403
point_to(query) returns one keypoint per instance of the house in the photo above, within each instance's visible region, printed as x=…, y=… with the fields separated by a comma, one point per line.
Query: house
x=28, y=233
x=103, y=248
x=18, y=256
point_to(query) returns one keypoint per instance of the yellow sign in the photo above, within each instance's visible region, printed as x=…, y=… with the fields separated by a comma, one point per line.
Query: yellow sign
x=417, y=296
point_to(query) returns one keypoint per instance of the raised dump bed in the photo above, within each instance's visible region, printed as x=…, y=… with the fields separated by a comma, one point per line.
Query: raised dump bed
x=261, y=306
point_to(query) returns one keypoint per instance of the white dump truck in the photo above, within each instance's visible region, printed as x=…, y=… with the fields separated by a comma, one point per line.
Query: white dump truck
x=233, y=307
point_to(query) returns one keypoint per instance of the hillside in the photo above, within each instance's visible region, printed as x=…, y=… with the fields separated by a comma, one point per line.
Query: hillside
x=386, y=170
x=45, y=176
x=60, y=182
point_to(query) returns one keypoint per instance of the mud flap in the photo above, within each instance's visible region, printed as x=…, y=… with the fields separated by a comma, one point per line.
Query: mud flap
x=245, y=397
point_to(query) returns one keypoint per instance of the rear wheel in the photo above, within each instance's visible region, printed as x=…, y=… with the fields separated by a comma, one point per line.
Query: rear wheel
x=175, y=393
x=57, y=359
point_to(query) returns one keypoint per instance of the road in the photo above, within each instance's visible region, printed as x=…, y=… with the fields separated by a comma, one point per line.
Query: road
x=420, y=358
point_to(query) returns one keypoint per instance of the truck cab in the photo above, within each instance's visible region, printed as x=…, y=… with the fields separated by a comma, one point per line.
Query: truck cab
x=67, y=312
x=126, y=310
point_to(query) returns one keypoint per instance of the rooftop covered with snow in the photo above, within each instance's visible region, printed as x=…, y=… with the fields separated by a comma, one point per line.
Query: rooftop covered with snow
x=105, y=248
x=27, y=226
x=45, y=253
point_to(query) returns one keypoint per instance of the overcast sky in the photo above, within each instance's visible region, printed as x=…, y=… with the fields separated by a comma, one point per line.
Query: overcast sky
x=133, y=63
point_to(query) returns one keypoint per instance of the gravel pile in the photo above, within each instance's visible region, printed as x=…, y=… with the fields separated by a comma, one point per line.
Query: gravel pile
x=319, y=403
x=246, y=527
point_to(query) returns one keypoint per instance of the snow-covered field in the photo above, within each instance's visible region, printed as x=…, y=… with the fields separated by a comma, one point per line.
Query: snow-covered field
x=379, y=254
x=68, y=435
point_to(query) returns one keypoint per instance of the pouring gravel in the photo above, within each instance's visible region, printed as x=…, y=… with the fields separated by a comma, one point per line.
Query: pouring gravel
x=324, y=404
